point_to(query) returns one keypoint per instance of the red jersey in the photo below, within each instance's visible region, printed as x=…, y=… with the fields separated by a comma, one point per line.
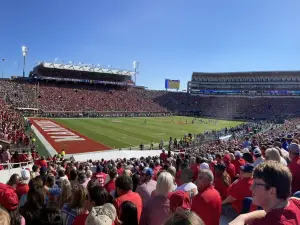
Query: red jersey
x=129, y=196
x=294, y=167
x=230, y=169
x=43, y=163
x=290, y=215
x=23, y=157
x=110, y=186
x=80, y=219
x=207, y=205
x=237, y=164
x=101, y=177
x=195, y=168
x=22, y=189
x=163, y=156
x=221, y=187
x=120, y=171
x=240, y=189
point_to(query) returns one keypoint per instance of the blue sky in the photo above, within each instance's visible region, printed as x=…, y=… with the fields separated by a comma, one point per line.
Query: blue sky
x=170, y=38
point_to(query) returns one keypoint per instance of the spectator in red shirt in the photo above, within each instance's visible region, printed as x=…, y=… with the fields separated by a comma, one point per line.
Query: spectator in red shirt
x=237, y=192
x=222, y=180
x=271, y=190
x=23, y=186
x=110, y=185
x=124, y=191
x=163, y=156
x=23, y=157
x=230, y=168
x=99, y=175
x=238, y=161
x=196, y=168
x=120, y=169
x=207, y=203
x=96, y=198
x=179, y=199
x=43, y=162
x=294, y=166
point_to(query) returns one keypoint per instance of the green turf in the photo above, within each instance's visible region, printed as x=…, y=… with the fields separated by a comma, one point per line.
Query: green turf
x=126, y=132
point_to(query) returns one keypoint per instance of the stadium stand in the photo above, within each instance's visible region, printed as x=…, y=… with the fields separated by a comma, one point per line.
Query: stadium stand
x=207, y=183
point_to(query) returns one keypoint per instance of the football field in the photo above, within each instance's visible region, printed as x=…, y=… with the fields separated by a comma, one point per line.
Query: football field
x=131, y=132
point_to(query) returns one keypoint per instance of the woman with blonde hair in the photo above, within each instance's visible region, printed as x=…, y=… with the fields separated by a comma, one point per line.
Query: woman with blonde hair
x=273, y=154
x=66, y=192
x=157, y=208
x=184, y=217
x=76, y=206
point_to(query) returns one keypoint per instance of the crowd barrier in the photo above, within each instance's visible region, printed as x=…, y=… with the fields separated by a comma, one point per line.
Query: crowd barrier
x=10, y=170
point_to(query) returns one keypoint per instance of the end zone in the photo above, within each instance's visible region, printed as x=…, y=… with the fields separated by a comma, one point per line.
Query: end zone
x=56, y=137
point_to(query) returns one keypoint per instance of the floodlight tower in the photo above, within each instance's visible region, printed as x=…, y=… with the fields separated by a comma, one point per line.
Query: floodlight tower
x=24, y=52
x=135, y=67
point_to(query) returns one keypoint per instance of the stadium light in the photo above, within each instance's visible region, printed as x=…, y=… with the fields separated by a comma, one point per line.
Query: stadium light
x=2, y=67
x=135, y=67
x=24, y=52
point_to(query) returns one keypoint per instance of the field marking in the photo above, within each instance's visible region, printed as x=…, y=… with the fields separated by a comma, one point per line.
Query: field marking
x=109, y=137
x=44, y=141
x=136, y=125
x=125, y=129
x=88, y=136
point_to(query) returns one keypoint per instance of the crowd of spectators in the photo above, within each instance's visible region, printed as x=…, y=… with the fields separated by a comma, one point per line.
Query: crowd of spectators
x=12, y=129
x=247, y=180
x=75, y=97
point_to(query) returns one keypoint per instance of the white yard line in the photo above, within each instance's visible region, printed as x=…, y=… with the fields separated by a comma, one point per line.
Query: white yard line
x=47, y=145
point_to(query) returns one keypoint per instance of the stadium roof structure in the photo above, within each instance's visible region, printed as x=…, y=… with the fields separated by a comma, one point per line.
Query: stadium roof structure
x=84, y=68
x=250, y=73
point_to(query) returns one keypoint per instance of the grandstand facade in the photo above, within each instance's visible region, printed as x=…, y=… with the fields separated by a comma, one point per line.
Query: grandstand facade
x=282, y=83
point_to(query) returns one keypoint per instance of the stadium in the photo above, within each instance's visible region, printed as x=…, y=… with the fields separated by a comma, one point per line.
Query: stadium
x=80, y=115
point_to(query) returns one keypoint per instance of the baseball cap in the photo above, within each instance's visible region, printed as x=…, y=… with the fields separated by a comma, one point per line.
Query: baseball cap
x=289, y=137
x=8, y=197
x=238, y=153
x=204, y=166
x=226, y=158
x=221, y=166
x=294, y=148
x=247, y=168
x=102, y=215
x=148, y=171
x=25, y=174
x=179, y=199
x=245, y=150
x=257, y=152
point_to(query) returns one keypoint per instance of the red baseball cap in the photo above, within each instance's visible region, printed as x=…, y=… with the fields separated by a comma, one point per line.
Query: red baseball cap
x=179, y=199
x=226, y=158
x=8, y=197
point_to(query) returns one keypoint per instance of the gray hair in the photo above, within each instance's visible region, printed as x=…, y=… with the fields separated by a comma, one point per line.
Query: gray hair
x=273, y=154
x=209, y=175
